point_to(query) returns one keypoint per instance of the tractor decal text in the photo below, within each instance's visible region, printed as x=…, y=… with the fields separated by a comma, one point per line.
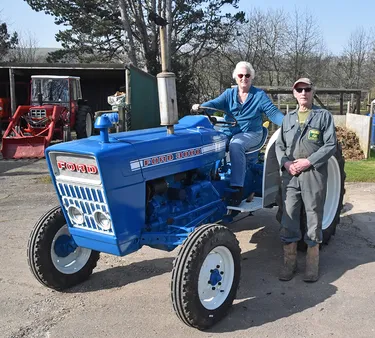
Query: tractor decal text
x=176, y=156
x=74, y=167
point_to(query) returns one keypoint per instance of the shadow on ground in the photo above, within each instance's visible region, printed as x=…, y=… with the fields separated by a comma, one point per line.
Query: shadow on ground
x=262, y=298
x=123, y=275
x=7, y=165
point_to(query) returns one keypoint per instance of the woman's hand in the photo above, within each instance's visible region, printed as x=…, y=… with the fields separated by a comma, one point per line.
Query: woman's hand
x=195, y=108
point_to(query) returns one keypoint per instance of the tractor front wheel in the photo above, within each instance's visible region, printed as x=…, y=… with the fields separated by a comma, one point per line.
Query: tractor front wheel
x=84, y=122
x=54, y=258
x=205, y=276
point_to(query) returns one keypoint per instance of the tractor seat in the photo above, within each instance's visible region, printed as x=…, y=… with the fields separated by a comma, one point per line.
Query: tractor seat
x=260, y=144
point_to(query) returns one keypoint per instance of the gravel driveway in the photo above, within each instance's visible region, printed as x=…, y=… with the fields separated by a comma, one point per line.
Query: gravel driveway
x=130, y=296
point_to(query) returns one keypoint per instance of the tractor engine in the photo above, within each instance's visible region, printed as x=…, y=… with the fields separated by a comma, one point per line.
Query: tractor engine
x=171, y=196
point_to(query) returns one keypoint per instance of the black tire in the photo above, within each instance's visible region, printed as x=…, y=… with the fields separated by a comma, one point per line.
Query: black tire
x=39, y=254
x=187, y=268
x=84, y=122
x=330, y=229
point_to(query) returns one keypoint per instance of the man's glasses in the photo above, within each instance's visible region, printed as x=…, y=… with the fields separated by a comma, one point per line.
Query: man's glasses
x=300, y=90
x=243, y=75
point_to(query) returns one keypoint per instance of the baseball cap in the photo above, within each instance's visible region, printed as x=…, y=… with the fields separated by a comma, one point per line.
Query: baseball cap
x=303, y=80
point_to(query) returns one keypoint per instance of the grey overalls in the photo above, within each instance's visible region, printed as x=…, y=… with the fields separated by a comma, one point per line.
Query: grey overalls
x=316, y=142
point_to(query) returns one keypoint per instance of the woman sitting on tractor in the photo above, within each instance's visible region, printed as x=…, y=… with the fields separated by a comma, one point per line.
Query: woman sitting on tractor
x=246, y=103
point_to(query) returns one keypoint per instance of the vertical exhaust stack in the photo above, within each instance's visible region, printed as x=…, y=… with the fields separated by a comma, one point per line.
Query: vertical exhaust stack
x=166, y=81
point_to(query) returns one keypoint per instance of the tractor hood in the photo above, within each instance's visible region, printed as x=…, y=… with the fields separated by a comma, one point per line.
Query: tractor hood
x=144, y=154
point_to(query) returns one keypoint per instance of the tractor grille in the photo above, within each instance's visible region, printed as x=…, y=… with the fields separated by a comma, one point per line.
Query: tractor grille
x=37, y=113
x=89, y=200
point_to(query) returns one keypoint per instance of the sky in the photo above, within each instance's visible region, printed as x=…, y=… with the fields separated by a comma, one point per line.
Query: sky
x=337, y=19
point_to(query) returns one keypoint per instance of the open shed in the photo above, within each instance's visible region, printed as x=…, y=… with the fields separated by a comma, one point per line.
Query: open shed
x=98, y=81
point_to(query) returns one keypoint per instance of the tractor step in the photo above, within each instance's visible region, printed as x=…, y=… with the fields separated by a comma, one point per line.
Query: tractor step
x=255, y=204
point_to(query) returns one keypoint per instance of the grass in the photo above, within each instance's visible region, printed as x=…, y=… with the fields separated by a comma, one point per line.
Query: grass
x=361, y=171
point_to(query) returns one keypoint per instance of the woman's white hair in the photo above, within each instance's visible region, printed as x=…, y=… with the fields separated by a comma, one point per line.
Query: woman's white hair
x=245, y=64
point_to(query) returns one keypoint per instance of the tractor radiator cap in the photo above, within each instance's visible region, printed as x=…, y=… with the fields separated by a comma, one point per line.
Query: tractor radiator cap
x=105, y=121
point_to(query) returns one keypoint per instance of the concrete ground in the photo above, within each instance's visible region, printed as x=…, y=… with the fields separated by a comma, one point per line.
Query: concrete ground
x=130, y=296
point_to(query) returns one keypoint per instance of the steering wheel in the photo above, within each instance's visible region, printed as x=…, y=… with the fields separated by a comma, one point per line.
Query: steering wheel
x=214, y=120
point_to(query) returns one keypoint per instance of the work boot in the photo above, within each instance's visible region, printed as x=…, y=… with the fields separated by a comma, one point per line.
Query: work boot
x=290, y=262
x=312, y=264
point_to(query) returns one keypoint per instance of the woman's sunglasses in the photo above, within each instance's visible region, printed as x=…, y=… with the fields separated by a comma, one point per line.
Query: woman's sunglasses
x=243, y=75
x=300, y=90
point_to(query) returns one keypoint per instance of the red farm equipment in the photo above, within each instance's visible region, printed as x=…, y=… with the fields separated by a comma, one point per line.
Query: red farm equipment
x=56, y=107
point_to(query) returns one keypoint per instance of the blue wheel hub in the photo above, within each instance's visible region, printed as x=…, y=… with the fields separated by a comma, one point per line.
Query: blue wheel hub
x=64, y=246
x=215, y=277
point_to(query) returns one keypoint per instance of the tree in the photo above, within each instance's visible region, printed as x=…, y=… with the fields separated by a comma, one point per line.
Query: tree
x=306, y=48
x=7, y=41
x=110, y=31
x=263, y=42
x=26, y=50
x=97, y=28
x=354, y=61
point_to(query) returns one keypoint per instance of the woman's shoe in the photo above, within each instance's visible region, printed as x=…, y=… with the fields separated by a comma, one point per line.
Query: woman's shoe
x=236, y=196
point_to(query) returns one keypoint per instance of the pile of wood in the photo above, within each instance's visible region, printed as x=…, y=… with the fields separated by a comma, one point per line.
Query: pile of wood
x=350, y=144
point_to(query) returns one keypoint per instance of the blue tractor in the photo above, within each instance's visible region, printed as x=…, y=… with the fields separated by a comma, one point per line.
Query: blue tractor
x=121, y=191
x=160, y=187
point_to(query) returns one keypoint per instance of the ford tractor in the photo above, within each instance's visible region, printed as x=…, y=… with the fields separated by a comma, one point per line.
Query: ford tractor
x=162, y=187
x=119, y=192
x=56, y=107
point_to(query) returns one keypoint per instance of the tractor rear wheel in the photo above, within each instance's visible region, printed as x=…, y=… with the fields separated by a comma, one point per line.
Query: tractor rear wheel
x=84, y=122
x=54, y=258
x=205, y=276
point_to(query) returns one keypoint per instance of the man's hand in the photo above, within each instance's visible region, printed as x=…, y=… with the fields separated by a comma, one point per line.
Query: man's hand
x=195, y=108
x=301, y=164
x=290, y=168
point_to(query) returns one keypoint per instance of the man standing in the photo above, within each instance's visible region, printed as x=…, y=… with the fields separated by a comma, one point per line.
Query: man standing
x=306, y=141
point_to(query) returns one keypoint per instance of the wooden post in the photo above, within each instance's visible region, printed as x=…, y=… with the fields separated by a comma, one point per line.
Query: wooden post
x=358, y=102
x=12, y=87
x=348, y=108
x=341, y=103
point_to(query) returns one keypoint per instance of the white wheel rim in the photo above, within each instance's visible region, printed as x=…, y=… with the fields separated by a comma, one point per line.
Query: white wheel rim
x=218, y=264
x=88, y=125
x=72, y=263
x=333, y=193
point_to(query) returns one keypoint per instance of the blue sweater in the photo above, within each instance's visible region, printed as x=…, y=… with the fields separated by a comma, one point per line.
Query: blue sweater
x=248, y=114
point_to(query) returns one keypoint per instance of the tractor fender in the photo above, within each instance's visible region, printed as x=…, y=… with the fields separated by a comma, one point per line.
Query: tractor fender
x=271, y=173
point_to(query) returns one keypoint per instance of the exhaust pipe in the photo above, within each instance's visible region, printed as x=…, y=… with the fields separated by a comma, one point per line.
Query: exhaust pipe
x=166, y=81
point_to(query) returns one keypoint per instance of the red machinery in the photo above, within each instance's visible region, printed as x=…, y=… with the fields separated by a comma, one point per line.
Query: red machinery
x=56, y=107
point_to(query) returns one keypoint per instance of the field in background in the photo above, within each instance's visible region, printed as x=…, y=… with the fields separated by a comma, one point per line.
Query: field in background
x=361, y=171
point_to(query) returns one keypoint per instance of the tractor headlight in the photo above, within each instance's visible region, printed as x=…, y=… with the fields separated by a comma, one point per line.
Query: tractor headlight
x=102, y=219
x=75, y=214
